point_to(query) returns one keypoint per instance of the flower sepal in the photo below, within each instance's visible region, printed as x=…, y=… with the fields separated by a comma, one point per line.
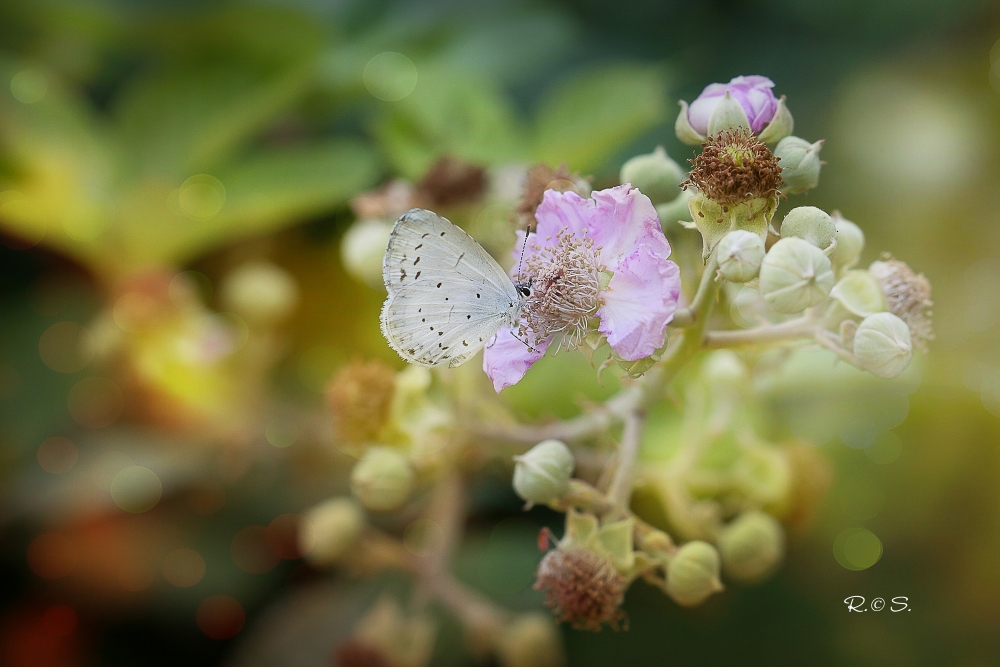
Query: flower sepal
x=685, y=132
x=714, y=220
x=780, y=126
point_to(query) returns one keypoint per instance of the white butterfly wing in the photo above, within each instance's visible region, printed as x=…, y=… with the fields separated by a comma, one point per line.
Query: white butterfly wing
x=447, y=295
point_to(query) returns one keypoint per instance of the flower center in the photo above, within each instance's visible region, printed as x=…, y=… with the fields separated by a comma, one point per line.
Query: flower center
x=733, y=167
x=564, y=288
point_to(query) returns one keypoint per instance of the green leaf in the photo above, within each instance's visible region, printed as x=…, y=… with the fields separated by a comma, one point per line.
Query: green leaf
x=266, y=192
x=449, y=113
x=584, y=121
x=187, y=120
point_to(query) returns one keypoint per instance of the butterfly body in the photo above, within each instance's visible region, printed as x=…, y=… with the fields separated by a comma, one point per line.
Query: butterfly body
x=447, y=295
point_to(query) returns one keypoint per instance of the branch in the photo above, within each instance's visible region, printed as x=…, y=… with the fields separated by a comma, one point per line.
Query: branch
x=801, y=327
x=620, y=490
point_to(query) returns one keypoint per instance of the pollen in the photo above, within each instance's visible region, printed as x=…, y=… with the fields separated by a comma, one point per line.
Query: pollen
x=564, y=288
x=734, y=166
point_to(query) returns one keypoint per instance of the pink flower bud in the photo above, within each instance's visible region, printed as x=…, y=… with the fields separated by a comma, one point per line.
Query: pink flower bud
x=752, y=92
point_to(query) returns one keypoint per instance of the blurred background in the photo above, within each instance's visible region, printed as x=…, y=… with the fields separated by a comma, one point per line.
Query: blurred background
x=161, y=432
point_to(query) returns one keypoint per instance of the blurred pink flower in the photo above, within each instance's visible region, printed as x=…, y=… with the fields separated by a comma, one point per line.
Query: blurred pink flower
x=603, y=257
x=752, y=92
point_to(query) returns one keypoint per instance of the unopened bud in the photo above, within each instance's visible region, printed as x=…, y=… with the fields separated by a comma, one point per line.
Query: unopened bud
x=382, y=480
x=675, y=210
x=363, y=248
x=795, y=275
x=800, y=164
x=859, y=293
x=693, y=573
x=740, y=254
x=811, y=224
x=531, y=640
x=850, y=243
x=542, y=473
x=260, y=292
x=752, y=546
x=728, y=115
x=882, y=345
x=655, y=175
x=724, y=368
x=329, y=530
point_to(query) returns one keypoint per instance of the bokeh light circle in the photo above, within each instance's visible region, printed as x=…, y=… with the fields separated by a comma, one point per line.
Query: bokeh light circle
x=183, y=567
x=250, y=551
x=59, y=620
x=52, y=556
x=57, y=455
x=220, y=617
x=390, y=76
x=857, y=549
x=66, y=347
x=29, y=86
x=282, y=536
x=136, y=489
x=202, y=196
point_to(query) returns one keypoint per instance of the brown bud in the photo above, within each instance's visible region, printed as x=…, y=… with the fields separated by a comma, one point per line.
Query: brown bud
x=582, y=588
x=359, y=397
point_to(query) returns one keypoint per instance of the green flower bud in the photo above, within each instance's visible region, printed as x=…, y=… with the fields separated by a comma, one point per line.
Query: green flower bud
x=542, y=473
x=810, y=223
x=795, y=275
x=685, y=132
x=740, y=255
x=329, y=530
x=724, y=368
x=693, y=573
x=780, y=126
x=752, y=546
x=259, y=292
x=382, y=480
x=655, y=175
x=882, y=345
x=850, y=243
x=728, y=114
x=363, y=248
x=531, y=640
x=859, y=293
x=800, y=164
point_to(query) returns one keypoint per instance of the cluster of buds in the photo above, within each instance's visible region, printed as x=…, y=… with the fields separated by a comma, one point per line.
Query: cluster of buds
x=392, y=423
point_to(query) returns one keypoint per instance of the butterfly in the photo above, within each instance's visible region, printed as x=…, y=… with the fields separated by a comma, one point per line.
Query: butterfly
x=447, y=295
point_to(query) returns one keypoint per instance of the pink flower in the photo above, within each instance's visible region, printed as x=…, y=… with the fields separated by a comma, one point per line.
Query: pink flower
x=604, y=258
x=752, y=92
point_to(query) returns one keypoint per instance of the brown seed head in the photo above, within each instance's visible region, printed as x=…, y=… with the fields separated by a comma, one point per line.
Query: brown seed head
x=734, y=166
x=581, y=588
x=451, y=181
x=908, y=296
x=542, y=177
x=359, y=397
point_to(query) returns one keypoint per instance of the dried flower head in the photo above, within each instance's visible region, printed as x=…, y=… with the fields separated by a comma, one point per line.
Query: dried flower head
x=542, y=177
x=735, y=166
x=451, y=181
x=581, y=588
x=385, y=203
x=908, y=296
x=360, y=397
x=358, y=653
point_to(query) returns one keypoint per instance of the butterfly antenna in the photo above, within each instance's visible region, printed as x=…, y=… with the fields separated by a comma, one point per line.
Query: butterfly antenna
x=523, y=247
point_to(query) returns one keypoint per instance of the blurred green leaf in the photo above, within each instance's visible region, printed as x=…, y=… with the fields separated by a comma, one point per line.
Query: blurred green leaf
x=184, y=121
x=585, y=120
x=265, y=192
x=450, y=112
